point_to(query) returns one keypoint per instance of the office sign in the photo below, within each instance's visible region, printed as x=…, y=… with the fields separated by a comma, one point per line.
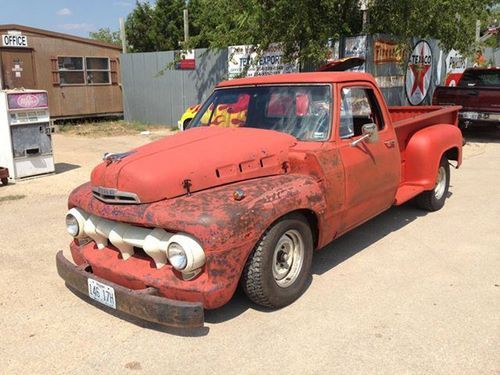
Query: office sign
x=14, y=40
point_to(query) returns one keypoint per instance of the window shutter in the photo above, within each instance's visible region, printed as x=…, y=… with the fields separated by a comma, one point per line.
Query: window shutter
x=55, y=71
x=114, y=71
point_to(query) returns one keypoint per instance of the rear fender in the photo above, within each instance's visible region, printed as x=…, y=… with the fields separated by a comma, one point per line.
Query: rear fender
x=424, y=151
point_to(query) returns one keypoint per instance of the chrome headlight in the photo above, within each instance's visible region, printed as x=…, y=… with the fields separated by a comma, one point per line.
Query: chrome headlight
x=72, y=225
x=75, y=221
x=177, y=256
x=185, y=254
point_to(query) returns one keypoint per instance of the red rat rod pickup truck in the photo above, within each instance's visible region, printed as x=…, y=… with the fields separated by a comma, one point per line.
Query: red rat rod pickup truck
x=169, y=229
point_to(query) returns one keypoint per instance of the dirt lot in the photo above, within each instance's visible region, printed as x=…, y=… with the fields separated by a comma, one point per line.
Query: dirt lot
x=408, y=292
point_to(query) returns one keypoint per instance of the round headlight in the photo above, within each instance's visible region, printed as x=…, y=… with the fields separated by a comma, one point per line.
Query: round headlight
x=72, y=225
x=177, y=256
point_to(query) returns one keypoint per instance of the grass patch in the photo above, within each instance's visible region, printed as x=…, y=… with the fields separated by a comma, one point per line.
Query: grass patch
x=8, y=198
x=108, y=128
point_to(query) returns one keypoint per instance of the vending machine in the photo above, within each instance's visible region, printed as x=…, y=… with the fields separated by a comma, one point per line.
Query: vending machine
x=25, y=133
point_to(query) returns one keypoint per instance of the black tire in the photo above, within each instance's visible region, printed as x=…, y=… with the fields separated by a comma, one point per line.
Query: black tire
x=258, y=280
x=186, y=123
x=433, y=200
x=5, y=181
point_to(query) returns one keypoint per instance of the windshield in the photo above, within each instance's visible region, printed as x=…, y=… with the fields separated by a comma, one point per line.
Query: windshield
x=480, y=77
x=301, y=111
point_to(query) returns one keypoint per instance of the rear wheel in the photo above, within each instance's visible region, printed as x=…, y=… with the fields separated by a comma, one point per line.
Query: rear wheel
x=4, y=180
x=433, y=200
x=277, y=271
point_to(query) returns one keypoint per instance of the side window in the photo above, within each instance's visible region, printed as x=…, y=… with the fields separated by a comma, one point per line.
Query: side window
x=358, y=107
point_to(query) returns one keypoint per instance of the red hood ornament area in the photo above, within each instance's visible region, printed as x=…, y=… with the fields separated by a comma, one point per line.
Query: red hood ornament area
x=115, y=157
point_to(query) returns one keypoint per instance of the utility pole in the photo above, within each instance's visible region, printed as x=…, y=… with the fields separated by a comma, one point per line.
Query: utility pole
x=363, y=6
x=186, y=26
x=123, y=36
x=478, y=30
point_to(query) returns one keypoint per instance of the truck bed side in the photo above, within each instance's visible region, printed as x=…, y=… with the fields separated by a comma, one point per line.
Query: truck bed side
x=407, y=120
x=424, y=134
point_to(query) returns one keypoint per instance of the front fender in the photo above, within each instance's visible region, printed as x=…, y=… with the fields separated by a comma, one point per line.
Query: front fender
x=424, y=151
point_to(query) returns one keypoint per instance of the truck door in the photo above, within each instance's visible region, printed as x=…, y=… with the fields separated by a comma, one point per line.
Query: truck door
x=17, y=68
x=372, y=170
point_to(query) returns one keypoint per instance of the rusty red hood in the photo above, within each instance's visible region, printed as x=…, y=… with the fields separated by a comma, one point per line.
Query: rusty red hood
x=196, y=159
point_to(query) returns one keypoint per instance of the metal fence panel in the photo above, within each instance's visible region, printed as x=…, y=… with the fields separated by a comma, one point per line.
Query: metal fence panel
x=156, y=93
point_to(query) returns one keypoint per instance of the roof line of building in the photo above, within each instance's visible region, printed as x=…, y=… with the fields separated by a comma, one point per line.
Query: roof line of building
x=75, y=38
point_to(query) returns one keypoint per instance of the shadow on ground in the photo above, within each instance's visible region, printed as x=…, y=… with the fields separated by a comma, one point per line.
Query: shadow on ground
x=490, y=134
x=65, y=167
x=330, y=256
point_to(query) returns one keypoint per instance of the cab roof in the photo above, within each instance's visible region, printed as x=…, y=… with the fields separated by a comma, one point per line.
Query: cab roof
x=314, y=77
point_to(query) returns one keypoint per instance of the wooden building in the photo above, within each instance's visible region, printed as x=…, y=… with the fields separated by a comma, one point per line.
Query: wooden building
x=82, y=76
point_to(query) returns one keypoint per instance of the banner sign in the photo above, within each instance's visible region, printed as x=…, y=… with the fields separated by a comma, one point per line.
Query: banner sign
x=356, y=47
x=385, y=82
x=185, y=60
x=270, y=62
x=386, y=52
x=455, y=66
x=419, y=73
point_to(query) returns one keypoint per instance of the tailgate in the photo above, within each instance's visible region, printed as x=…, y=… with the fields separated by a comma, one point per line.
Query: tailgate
x=481, y=99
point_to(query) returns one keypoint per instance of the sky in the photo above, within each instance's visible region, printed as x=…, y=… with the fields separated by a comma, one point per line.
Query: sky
x=76, y=17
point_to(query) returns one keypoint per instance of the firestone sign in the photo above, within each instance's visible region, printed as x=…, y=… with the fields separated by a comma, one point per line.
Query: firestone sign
x=419, y=73
x=14, y=40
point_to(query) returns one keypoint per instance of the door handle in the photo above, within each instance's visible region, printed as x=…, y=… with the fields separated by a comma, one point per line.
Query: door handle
x=390, y=144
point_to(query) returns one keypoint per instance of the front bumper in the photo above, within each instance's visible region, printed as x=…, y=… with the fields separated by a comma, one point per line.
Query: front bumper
x=144, y=303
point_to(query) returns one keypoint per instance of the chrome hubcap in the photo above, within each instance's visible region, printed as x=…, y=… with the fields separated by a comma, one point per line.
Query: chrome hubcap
x=288, y=258
x=440, y=183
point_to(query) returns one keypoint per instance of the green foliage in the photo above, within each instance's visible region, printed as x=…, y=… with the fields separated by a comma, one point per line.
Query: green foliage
x=106, y=35
x=302, y=26
x=453, y=22
x=160, y=27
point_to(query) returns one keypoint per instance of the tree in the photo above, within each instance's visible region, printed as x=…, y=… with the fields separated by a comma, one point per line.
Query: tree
x=137, y=29
x=160, y=27
x=302, y=26
x=106, y=35
x=453, y=22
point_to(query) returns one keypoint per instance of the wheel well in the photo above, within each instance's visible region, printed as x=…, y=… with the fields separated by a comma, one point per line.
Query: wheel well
x=452, y=153
x=312, y=220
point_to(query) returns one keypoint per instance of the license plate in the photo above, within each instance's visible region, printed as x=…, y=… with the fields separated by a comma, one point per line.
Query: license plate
x=102, y=293
x=470, y=115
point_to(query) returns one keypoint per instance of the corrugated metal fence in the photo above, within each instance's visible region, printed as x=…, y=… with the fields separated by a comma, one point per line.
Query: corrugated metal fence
x=156, y=94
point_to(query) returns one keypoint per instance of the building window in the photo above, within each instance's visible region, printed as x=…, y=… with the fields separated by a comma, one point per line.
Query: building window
x=71, y=70
x=97, y=70
x=80, y=71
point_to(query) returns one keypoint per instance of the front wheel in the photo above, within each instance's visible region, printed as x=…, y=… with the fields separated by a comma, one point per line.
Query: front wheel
x=4, y=180
x=277, y=271
x=433, y=200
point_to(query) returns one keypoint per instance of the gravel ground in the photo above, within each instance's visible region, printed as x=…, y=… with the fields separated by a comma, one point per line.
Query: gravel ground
x=407, y=292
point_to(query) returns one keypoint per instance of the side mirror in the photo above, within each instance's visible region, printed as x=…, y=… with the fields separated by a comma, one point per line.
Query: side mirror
x=370, y=134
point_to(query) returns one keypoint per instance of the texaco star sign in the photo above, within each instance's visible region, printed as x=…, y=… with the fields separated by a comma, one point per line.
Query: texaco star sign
x=418, y=73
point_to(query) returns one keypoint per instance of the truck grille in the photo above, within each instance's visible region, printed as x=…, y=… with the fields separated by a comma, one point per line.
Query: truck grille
x=109, y=195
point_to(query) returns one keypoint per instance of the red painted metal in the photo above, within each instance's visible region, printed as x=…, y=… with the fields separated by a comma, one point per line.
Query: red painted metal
x=336, y=185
